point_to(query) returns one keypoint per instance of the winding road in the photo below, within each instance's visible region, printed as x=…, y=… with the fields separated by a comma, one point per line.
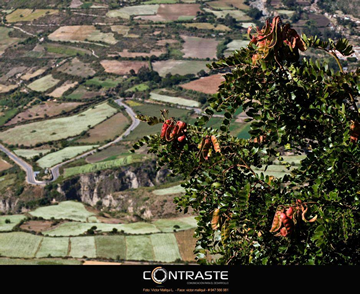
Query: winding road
x=55, y=170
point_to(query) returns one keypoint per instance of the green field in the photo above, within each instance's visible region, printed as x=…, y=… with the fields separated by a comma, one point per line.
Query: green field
x=165, y=247
x=181, y=67
x=110, y=247
x=139, y=248
x=43, y=84
x=160, y=2
x=59, y=156
x=77, y=228
x=19, y=244
x=65, y=50
x=82, y=246
x=138, y=88
x=8, y=115
x=30, y=153
x=58, y=128
x=55, y=247
x=179, y=224
x=168, y=191
x=39, y=261
x=126, y=12
x=93, y=167
x=106, y=83
x=64, y=210
x=174, y=100
x=5, y=40
x=237, y=14
x=29, y=14
x=14, y=220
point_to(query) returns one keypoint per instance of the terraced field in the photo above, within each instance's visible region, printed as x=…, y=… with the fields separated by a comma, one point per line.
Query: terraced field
x=58, y=128
x=54, y=158
x=181, y=67
x=64, y=210
x=174, y=100
x=29, y=14
x=43, y=84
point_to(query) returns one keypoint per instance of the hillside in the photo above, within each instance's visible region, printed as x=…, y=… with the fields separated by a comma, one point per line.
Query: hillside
x=74, y=75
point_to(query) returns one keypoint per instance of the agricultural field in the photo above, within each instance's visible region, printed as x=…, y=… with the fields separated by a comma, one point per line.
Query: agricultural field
x=4, y=165
x=200, y=48
x=129, y=11
x=122, y=67
x=235, y=45
x=104, y=82
x=93, y=167
x=107, y=130
x=113, y=247
x=43, y=84
x=168, y=191
x=207, y=26
x=181, y=67
x=20, y=15
x=64, y=210
x=6, y=181
x=237, y=14
x=172, y=12
x=48, y=109
x=229, y=4
x=82, y=246
x=58, y=92
x=156, y=52
x=186, y=244
x=7, y=88
x=54, y=247
x=174, y=100
x=33, y=73
x=165, y=247
x=110, y=153
x=39, y=261
x=31, y=153
x=138, y=88
x=65, y=50
x=207, y=85
x=77, y=68
x=8, y=222
x=54, y=158
x=19, y=244
x=84, y=33
x=58, y=128
x=78, y=228
x=83, y=93
x=139, y=248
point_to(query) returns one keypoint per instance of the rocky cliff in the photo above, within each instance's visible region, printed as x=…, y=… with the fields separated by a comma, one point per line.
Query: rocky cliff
x=121, y=190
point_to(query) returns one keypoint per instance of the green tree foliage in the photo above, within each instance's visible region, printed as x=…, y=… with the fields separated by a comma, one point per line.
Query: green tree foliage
x=310, y=215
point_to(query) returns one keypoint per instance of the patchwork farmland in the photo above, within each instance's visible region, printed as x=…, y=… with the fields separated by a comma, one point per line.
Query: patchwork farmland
x=73, y=75
x=56, y=129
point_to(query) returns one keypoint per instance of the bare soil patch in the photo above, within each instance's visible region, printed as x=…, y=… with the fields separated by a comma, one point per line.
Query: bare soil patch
x=207, y=85
x=94, y=262
x=4, y=165
x=109, y=129
x=77, y=68
x=186, y=243
x=170, y=12
x=202, y=48
x=126, y=53
x=122, y=67
x=38, y=226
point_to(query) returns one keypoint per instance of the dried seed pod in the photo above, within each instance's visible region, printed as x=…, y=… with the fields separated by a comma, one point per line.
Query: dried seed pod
x=276, y=223
x=215, y=219
x=215, y=143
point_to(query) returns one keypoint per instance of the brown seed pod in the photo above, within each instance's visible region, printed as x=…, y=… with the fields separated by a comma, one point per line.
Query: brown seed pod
x=215, y=219
x=276, y=223
x=215, y=143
